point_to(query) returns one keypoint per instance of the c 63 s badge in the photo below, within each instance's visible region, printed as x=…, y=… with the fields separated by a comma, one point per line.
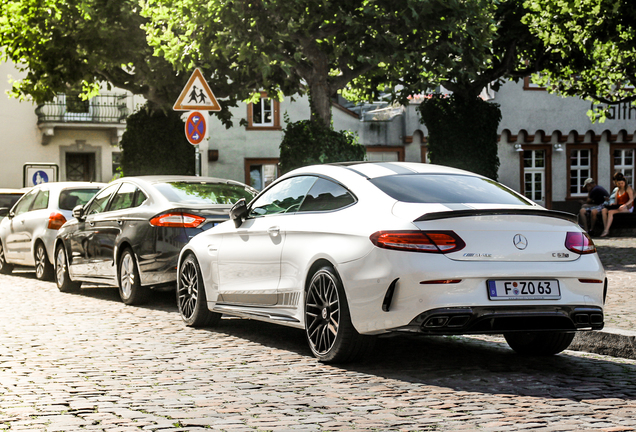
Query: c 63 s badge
x=561, y=255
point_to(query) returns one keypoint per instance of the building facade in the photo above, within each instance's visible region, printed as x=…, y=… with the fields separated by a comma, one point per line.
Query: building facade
x=548, y=145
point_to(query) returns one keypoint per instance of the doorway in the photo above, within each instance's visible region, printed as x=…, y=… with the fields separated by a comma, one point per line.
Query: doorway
x=80, y=166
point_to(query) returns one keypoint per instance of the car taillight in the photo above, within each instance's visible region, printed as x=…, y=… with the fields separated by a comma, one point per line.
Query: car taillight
x=580, y=243
x=419, y=241
x=56, y=220
x=177, y=220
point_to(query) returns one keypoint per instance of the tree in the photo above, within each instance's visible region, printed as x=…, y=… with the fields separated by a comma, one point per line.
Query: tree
x=301, y=46
x=154, y=143
x=595, y=43
x=71, y=45
x=465, y=62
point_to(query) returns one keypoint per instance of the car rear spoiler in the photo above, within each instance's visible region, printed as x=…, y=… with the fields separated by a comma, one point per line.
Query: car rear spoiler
x=495, y=212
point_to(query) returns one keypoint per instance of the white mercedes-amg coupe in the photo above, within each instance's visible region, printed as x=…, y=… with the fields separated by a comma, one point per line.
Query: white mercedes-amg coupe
x=349, y=251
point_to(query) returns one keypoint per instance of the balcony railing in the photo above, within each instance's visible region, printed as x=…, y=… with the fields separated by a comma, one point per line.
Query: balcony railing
x=65, y=108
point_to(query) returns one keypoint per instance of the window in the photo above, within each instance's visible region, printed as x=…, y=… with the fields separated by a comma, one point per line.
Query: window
x=264, y=115
x=260, y=173
x=70, y=198
x=446, y=189
x=284, y=197
x=24, y=204
x=581, y=165
x=326, y=195
x=529, y=85
x=623, y=161
x=124, y=198
x=101, y=200
x=385, y=153
x=140, y=198
x=41, y=201
x=204, y=193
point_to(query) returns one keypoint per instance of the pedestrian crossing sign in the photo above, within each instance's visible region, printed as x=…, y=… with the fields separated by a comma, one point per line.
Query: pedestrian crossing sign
x=196, y=95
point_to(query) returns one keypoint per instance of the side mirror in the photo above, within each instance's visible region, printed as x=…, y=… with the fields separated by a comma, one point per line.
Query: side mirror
x=239, y=212
x=78, y=212
x=4, y=211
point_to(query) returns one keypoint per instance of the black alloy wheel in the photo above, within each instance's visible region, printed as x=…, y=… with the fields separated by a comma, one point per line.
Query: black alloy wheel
x=43, y=268
x=191, y=299
x=5, y=267
x=330, y=333
x=62, y=278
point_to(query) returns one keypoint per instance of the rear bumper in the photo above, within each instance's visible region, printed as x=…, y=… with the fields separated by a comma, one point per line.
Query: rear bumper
x=493, y=320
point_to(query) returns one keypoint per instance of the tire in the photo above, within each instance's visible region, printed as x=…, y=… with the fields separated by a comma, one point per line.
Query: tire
x=5, y=267
x=130, y=290
x=191, y=300
x=330, y=333
x=539, y=343
x=43, y=267
x=62, y=278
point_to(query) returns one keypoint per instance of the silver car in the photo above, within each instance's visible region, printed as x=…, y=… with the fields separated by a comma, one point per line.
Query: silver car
x=27, y=233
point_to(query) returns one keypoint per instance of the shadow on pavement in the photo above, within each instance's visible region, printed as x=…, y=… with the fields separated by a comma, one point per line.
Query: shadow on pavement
x=463, y=364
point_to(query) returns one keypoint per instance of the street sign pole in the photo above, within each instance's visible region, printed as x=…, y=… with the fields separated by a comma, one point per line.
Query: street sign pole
x=197, y=161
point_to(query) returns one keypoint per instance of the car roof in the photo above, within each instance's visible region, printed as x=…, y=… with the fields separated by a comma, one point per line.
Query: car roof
x=69, y=185
x=152, y=179
x=380, y=169
x=7, y=191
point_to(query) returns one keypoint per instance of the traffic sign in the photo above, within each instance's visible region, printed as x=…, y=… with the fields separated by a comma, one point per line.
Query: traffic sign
x=195, y=127
x=196, y=95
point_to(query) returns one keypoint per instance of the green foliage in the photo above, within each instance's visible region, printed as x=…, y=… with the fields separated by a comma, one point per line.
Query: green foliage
x=68, y=45
x=471, y=146
x=308, y=143
x=595, y=42
x=155, y=143
x=300, y=46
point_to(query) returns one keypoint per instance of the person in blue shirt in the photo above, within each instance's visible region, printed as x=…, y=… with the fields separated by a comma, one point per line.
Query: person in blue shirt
x=596, y=196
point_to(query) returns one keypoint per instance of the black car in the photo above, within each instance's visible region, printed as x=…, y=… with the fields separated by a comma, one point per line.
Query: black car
x=130, y=234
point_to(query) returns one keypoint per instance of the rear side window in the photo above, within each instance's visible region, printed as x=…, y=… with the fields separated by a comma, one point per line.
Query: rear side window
x=446, y=189
x=326, y=195
x=204, y=193
x=41, y=201
x=9, y=200
x=124, y=198
x=70, y=198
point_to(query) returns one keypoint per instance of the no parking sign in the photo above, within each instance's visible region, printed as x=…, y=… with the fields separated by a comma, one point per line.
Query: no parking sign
x=195, y=127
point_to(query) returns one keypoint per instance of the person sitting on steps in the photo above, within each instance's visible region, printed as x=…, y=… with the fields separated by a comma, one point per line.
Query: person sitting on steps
x=624, y=202
x=593, y=205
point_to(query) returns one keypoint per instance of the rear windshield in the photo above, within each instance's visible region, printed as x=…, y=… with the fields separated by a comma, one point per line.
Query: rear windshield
x=446, y=189
x=69, y=198
x=8, y=200
x=204, y=193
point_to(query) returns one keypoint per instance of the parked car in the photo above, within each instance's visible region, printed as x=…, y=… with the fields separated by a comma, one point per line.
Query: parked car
x=349, y=251
x=27, y=234
x=131, y=233
x=8, y=198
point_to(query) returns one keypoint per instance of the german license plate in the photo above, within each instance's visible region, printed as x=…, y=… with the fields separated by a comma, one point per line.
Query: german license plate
x=524, y=289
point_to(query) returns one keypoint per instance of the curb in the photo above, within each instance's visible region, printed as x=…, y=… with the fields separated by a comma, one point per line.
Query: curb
x=609, y=341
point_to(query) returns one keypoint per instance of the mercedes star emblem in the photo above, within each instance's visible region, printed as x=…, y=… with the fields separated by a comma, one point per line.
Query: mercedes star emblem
x=520, y=242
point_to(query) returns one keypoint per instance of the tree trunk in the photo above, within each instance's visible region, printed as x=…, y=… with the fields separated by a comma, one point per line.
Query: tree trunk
x=320, y=103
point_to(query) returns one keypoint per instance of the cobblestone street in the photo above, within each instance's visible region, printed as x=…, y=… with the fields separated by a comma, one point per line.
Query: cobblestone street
x=86, y=362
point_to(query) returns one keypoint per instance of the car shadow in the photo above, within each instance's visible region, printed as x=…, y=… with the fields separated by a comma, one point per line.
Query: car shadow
x=470, y=364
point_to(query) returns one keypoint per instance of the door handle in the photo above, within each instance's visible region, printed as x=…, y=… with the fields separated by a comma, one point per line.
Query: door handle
x=273, y=231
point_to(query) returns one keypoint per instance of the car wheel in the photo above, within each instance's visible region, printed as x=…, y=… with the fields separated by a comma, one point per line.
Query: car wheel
x=130, y=289
x=330, y=333
x=5, y=267
x=43, y=267
x=62, y=278
x=191, y=298
x=539, y=343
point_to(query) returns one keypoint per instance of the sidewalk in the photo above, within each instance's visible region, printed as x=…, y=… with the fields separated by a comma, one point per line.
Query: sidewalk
x=618, y=338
